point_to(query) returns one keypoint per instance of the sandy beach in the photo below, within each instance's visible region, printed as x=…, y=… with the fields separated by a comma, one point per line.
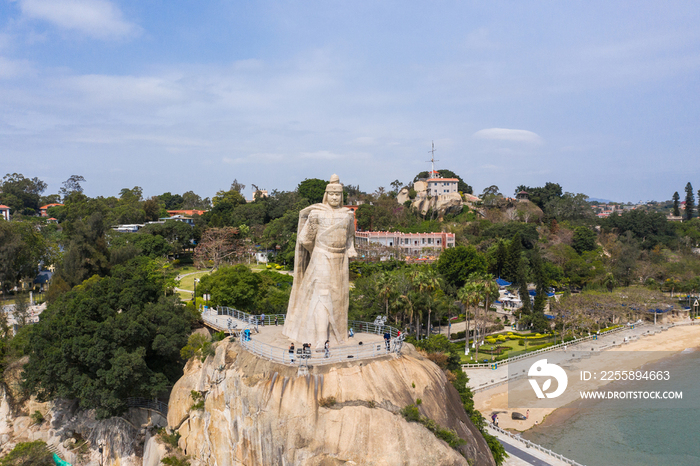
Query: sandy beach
x=650, y=348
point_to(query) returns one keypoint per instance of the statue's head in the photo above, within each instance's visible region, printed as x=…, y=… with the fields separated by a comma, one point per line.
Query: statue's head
x=334, y=192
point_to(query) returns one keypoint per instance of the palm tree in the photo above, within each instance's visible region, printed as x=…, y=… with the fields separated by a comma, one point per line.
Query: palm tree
x=487, y=291
x=430, y=282
x=469, y=296
x=419, y=282
x=385, y=287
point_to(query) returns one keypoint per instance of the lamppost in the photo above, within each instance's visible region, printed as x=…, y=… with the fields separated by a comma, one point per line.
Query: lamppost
x=194, y=293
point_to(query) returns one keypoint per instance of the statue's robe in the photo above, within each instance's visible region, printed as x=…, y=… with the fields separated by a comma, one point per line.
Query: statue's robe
x=318, y=304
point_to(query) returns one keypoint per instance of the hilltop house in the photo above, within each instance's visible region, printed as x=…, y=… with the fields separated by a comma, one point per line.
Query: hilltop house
x=43, y=210
x=4, y=212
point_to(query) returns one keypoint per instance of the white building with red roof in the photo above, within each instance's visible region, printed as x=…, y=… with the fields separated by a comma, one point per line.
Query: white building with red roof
x=4, y=212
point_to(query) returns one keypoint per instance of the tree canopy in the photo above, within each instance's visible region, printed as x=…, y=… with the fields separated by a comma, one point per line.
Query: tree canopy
x=108, y=339
x=456, y=264
x=312, y=189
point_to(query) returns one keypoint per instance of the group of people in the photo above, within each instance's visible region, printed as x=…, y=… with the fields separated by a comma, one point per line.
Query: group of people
x=306, y=350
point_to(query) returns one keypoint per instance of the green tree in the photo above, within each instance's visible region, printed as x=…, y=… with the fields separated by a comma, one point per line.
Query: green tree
x=224, y=204
x=649, y=228
x=171, y=201
x=108, y=339
x=87, y=253
x=235, y=286
x=21, y=194
x=584, y=240
x=521, y=280
x=512, y=259
x=71, y=185
x=676, y=205
x=34, y=453
x=689, y=201
x=543, y=195
x=22, y=248
x=456, y=264
x=312, y=189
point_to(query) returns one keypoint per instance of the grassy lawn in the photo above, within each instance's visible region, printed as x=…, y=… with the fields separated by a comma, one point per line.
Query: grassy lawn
x=514, y=349
x=187, y=283
x=186, y=269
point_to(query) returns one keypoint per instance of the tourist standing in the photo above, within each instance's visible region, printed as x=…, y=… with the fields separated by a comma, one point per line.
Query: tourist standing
x=327, y=347
x=387, y=340
x=291, y=353
x=262, y=320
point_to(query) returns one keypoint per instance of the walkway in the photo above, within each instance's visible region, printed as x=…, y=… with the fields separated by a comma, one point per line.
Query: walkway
x=484, y=378
x=268, y=341
x=521, y=455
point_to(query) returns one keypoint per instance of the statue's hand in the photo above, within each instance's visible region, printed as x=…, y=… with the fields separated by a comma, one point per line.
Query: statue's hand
x=352, y=252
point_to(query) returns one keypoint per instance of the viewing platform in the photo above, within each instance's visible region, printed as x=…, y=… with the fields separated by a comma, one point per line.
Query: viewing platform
x=266, y=340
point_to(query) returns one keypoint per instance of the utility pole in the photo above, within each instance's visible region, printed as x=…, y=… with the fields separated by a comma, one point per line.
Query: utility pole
x=432, y=159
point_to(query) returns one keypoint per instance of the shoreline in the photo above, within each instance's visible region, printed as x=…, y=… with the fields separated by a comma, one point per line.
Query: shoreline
x=667, y=343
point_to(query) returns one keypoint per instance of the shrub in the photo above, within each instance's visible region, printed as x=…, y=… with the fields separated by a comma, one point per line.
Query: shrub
x=419, y=402
x=169, y=439
x=411, y=413
x=439, y=359
x=175, y=461
x=37, y=417
x=521, y=342
x=218, y=336
x=29, y=453
x=327, y=402
x=197, y=345
x=198, y=400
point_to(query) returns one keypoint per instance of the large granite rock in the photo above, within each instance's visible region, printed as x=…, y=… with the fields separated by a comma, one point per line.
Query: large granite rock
x=257, y=412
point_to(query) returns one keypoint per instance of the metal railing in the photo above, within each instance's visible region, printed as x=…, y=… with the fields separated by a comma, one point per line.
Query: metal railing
x=542, y=350
x=535, y=446
x=250, y=319
x=337, y=354
x=155, y=405
x=315, y=357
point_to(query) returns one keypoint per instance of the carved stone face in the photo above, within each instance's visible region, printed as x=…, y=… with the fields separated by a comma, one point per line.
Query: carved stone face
x=334, y=198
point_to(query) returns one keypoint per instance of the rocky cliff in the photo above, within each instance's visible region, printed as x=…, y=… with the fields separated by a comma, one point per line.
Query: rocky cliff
x=74, y=434
x=257, y=412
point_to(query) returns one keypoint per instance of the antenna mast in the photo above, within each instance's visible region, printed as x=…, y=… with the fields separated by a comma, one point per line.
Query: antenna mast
x=432, y=159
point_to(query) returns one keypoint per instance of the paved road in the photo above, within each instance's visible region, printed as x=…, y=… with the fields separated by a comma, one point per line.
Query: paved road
x=515, y=452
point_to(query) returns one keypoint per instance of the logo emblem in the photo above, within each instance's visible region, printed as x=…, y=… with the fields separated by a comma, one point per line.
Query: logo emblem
x=542, y=369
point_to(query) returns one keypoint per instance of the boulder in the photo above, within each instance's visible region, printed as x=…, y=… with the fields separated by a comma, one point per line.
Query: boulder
x=257, y=412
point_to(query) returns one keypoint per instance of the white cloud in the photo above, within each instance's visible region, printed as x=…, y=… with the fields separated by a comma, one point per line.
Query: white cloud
x=10, y=68
x=95, y=18
x=504, y=134
x=320, y=155
x=125, y=89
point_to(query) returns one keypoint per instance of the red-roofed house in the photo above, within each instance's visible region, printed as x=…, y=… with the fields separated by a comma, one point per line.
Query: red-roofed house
x=43, y=209
x=189, y=213
x=4, y=212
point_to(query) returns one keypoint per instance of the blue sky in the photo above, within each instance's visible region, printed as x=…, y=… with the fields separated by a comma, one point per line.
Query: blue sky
x=601, y=97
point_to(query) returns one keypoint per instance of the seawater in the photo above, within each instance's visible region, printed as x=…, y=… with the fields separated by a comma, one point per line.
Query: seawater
x=609, y=433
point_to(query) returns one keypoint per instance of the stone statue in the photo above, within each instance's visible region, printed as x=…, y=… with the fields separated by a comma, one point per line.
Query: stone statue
x=318, y=304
